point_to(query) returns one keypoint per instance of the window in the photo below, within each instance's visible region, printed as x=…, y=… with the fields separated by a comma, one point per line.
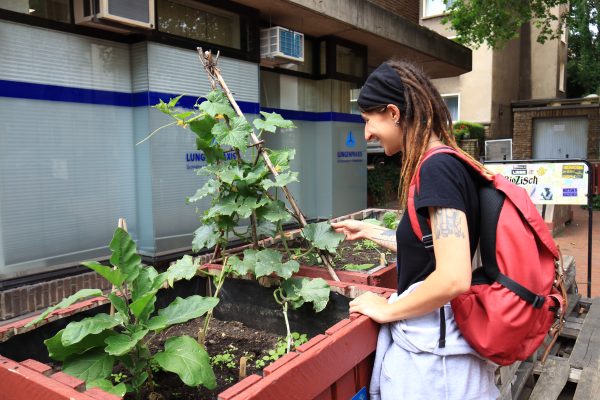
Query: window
x=199, y=22
x=342, y=60
x=453, y=103
x=349, y=61
x=57, y=10
x=561, y=77
x=435, y=7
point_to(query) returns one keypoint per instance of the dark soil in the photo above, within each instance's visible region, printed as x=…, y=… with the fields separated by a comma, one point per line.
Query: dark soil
x=355, y=253
x=230, y=337
x=358, y=252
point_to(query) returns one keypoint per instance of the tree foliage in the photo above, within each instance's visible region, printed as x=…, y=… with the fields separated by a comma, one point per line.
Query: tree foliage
x=495, y=22
x=583, y=67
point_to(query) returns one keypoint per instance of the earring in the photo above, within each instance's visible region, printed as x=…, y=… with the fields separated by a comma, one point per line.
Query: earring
x=397, y=122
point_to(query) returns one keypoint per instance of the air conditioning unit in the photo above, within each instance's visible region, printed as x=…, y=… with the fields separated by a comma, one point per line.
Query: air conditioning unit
x=281, y=45
x=115, y=15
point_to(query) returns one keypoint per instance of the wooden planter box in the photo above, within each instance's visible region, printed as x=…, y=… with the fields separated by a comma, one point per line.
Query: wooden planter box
x=335, y=364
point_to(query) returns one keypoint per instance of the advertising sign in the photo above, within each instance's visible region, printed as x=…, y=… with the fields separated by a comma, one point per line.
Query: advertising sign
x=548, y=183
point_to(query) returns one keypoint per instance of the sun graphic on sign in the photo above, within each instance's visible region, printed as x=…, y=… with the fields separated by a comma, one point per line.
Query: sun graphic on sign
x=541, y=171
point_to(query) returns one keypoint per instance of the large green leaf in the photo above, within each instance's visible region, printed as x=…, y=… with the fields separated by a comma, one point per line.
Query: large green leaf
x=210, y=188
x=118, y=302
x=249, y=204
x=268, y=261
x=114, y=276
x=247, y=265
x=182, y=310
x=205, y=237
x=184, y=268
x=301, y=290
x=272, y=121
x=322, y=236
x=281, y=180
x=141, y=305
x=76, y=331
x=235, y=135
x=106, y=385
x=120, y=344
x=90, y=366
x=266, y=228
x=226, y=206
x=231, y=174
x=281, y=158
x=57, y=351
x=145, y=282
x=124, y=255
x=205, y=140
x=83, y=293
x=274, y=211
x=185, y=357
x=216, y=104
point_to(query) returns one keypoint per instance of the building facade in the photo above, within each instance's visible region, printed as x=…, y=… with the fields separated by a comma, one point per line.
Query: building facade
x=522, y=70
x=77, y=86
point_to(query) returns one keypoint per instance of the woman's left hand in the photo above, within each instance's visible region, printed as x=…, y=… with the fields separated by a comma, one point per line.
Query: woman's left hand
x=371, y=305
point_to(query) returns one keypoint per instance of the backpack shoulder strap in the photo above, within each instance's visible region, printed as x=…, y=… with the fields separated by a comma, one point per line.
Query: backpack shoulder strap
x=421, y=230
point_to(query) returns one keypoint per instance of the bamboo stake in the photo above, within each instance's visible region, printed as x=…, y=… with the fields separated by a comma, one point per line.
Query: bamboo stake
x=214, y=75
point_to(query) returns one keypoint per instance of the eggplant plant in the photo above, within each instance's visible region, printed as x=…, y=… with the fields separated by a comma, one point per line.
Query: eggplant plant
x=89, y=349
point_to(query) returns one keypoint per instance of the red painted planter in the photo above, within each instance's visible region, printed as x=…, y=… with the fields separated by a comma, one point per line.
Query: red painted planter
x=30, y=379
x=332, y=365
x=385, y=277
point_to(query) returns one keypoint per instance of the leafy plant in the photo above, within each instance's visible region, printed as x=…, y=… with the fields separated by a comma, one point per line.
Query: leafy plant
x=90, y=348
x=358, y=267
x=245, y=186
x=390, y=220
x=370, y=245
x=468, y=130
x=281, y=348
x=226, y=359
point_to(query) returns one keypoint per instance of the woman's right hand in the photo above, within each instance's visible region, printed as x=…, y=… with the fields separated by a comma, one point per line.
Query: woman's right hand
x=354, y=230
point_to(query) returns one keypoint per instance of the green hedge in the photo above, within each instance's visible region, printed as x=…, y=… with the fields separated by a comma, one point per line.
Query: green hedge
x=468, y=130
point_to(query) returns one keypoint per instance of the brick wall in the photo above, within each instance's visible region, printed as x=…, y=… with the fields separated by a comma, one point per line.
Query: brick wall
x=26, y=299
x=523, y=128
x=408, y=9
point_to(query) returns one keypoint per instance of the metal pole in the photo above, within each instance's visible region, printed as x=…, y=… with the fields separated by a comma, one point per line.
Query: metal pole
x=590, y=226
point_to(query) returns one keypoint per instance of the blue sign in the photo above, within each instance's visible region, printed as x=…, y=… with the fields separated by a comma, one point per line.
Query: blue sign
x=569, y=192
x=361, y=395
x=350, y=141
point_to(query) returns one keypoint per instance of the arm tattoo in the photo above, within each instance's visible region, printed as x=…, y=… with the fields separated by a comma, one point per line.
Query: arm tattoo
x=447, y=223
x=386, y=238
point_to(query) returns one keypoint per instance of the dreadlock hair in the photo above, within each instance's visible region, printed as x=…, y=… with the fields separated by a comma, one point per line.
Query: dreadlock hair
x=426, y=113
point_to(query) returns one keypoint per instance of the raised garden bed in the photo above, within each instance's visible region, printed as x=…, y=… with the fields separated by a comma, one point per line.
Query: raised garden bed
x=385, y=276
x=337, y=359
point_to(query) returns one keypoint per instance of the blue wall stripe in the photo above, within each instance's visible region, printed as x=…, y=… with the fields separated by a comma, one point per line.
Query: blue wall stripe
x=37, y=91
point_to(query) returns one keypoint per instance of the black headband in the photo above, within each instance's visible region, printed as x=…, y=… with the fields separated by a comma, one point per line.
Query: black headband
x=382, y=87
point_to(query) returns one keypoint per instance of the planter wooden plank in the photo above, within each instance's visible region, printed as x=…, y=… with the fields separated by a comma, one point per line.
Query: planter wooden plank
x=586, y=352
x=523, y=374
x=589, y=384
x=552, y=380
x=22, y=383
x=321, y=366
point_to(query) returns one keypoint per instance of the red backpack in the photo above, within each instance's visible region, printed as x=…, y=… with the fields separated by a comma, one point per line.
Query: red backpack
x=517, y=293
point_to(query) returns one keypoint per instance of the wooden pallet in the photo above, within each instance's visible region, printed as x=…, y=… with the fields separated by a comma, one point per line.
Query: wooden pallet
x=575, y=357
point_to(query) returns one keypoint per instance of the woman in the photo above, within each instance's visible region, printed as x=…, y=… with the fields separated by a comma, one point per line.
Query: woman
x=404, y=111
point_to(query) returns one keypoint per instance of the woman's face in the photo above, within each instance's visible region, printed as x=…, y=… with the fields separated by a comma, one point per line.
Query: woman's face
x=381, y=126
